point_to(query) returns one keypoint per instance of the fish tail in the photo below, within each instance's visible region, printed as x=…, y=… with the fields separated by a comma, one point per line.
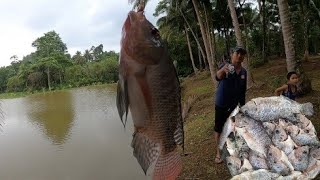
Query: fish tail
x=145, y=150
x=307, y=109
x=168, y=166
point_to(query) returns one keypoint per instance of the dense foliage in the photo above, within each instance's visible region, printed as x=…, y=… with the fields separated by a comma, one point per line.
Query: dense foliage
x=51, y=67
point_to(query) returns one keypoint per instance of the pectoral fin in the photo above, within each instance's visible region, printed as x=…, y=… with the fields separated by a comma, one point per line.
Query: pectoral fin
x=122, y=100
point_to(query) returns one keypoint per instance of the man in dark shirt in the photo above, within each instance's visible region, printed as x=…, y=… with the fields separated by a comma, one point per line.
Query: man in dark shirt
x=230, y=92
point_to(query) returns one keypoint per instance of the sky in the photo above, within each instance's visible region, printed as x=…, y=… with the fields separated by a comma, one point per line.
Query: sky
x=80, y=24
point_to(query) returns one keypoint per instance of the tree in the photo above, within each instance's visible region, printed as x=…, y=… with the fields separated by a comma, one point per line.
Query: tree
x=236, y=26
x=293, y=63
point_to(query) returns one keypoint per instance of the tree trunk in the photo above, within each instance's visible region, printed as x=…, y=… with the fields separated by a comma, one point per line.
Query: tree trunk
x=190, y=51
x=293, y=64
x=194, y=35
x=48, y=76
x=236, y=26
x=205, y=41
x=305, y=32
x=235, y=22
x=200, y=60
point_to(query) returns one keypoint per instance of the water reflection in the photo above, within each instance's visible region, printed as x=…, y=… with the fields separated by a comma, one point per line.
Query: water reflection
x=53, y=114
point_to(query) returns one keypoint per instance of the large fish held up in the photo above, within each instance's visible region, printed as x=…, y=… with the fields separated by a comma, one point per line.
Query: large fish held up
x=148, y=86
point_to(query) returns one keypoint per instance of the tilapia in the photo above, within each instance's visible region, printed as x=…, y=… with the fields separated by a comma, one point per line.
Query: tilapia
x=282, y=141
x=275, y=107
x=299, y=158
x=236, y=166
x=269, y=127
x=306, y=124
x=293, y=175
x=261, y=174
x=253, y=132
x=313, y=170
x=301, y=138
x=258, y=161
x=149, y=87
x=278, y=161
x=228, y=127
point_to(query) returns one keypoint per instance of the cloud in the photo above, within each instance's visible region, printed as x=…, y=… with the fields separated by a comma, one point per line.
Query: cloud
x=80, y=24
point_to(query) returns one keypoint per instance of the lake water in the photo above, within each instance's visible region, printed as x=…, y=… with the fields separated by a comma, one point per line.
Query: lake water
x=67, y=135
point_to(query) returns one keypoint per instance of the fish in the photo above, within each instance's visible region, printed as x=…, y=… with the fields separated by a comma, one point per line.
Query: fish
x=275, y=107
x=231, y=147
x=253, y=132
x=269, y=127
x=228, y=128
x=312, y=171
x=282, y=141
x=258, y=161
x=236, y=166
x=148, y=86
x=306, y=124
x=299, y=158
x=278, y=161
x=293, y=175
x=261, y=174
x=301, y=138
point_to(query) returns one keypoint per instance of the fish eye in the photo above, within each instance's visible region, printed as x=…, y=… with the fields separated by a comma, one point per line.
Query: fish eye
x=304, y=152
x=229, y=164
x=307, y=131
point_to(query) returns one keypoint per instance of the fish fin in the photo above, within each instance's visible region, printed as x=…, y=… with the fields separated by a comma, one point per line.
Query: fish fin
x=168, y=166
x=145, y=150
x=122, y=100
x=307, y=109
x=179, y=135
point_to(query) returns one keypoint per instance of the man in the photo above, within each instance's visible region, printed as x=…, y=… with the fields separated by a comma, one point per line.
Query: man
x=230, y=92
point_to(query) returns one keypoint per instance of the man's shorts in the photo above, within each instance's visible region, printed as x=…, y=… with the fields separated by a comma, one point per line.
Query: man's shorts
x=221, y=116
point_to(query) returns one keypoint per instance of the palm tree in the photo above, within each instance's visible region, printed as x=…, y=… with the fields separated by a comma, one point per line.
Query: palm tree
x=293, y=63
x=237, y=30
x=206, y=41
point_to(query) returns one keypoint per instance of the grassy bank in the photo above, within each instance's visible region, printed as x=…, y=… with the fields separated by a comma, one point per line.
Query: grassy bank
x=11, y=95
x=199, y=144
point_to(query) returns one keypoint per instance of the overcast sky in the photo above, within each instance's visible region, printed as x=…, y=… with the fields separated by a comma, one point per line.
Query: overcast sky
x=80, y=23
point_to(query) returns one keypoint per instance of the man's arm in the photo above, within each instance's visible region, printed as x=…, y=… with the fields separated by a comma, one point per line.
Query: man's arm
x=221, y=73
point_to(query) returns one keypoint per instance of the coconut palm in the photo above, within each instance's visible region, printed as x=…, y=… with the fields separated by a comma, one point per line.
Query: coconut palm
x=293, y=63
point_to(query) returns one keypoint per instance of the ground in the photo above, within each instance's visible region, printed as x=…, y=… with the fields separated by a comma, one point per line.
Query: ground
x=199, y=91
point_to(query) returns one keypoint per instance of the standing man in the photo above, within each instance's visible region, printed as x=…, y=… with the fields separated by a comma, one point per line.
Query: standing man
x=230, y=92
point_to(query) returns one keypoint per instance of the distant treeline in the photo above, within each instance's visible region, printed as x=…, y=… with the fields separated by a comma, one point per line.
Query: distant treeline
x=52, y=67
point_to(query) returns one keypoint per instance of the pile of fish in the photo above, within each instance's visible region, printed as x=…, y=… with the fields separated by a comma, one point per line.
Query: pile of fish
x=271, y=138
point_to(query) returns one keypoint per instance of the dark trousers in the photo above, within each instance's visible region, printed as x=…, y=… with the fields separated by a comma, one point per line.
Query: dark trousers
x=221, y=116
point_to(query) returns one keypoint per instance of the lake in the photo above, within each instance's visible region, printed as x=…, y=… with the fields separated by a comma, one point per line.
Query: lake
x=66, y=135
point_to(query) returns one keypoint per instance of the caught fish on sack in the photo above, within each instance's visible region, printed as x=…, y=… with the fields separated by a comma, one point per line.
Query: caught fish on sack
x=299, y=158
x=149, y=87
x=253, y=132
x=269, y=127
x=306, y=124
x=301, y=138
x=236, y=166
x=228, y=127
x=261, y=174
x=312, y=171
x=274, y=108
x=278, y=161
x=282, y=141
x=258, y=161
